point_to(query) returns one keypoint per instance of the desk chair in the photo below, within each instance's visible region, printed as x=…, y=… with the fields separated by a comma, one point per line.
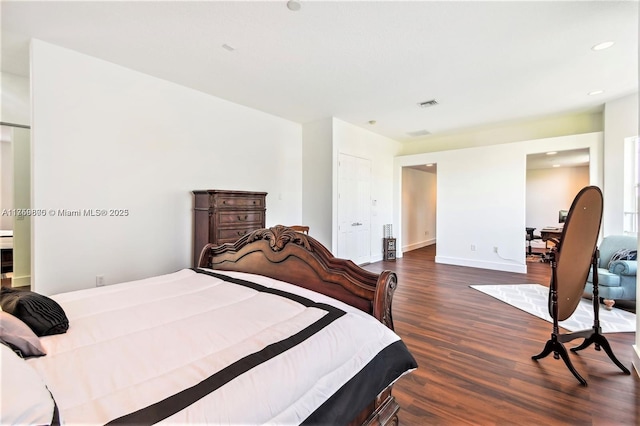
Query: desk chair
x=530, y=237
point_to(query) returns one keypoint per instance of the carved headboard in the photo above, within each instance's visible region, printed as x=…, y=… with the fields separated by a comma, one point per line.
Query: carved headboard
x=286, y=255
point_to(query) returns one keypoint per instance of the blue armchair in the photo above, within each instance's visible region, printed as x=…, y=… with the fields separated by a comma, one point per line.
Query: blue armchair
x=617, y=279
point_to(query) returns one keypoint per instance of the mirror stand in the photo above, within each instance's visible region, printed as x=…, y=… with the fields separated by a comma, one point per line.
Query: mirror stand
x=593, y=335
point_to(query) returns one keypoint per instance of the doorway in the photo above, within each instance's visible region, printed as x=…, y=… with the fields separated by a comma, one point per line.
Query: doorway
x=419, y=206
x=15, y=195
x=553, y=180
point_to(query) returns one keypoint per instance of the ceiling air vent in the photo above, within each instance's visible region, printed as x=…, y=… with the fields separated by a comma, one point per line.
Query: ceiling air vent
x=417, y=133
x=427, y=104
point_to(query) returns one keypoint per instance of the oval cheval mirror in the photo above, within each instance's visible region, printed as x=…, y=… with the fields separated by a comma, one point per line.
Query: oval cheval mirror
x=570, y=263
x=576, y=248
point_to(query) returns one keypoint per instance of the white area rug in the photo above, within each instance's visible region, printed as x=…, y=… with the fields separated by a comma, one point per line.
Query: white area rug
x=533, y=299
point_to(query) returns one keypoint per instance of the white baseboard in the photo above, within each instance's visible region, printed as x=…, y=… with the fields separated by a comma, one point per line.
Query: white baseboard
x=482, y=264
x=636, y=359
x=418, y=245
x=23, y=281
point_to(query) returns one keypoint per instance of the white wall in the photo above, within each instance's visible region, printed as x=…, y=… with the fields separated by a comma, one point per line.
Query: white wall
x=481, y=198
x=352, y=140
x=15, y=99
x=106, y=137
x=620, y=122
x=551, y=190
x=6, y=178
x=317, y=175
x=419, y=202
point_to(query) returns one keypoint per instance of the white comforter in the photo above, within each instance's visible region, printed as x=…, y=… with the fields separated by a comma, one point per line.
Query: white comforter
x=132, y=345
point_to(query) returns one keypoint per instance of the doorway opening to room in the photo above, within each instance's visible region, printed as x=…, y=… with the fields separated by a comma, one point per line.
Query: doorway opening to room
x=15, y=200
x=419, y=205
x=553, y=180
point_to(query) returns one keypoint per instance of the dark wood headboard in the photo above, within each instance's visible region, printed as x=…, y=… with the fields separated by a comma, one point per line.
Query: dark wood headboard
x=286, y=255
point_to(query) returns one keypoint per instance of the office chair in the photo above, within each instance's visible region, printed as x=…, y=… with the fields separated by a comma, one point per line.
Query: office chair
x=530, y=237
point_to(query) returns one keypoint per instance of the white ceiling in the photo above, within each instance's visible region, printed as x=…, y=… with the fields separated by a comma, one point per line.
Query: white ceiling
x=484, y=62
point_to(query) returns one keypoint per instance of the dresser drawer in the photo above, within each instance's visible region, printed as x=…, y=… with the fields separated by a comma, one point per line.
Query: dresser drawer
x=231, y=235
x=240, y=217
x=237, y=202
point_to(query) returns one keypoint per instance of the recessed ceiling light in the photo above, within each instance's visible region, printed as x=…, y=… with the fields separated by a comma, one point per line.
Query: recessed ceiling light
x=416, y=133
x=556, y=165
x=595, y=92
x=552, y=152
x=602, y=46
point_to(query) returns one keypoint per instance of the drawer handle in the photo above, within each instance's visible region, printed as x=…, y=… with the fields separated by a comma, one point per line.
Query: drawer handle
x=241, y=233
x=246, y=216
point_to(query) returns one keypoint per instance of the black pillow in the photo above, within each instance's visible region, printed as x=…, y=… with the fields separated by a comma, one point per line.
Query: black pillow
x=43, y=315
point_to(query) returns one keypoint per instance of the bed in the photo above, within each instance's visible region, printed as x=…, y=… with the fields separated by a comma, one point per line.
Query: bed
x=269, y=330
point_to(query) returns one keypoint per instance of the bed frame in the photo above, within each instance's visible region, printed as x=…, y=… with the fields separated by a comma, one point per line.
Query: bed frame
x=286, y=255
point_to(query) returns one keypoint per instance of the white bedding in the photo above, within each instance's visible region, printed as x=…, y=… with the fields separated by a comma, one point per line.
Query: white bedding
x=132, y=345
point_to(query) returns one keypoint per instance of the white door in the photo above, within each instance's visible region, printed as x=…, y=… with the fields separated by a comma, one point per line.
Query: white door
x=354, y=208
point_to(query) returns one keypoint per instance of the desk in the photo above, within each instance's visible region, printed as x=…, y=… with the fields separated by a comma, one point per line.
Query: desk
x=551, y=234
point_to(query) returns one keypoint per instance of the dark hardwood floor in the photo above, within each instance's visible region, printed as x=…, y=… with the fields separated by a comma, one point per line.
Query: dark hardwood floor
x=474, y=355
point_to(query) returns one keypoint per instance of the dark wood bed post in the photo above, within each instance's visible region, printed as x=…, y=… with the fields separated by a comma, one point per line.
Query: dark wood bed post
x=286, y=255
x=385, y=288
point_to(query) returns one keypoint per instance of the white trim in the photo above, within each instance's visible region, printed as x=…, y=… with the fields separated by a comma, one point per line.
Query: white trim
x=418, y=245
x=636, y=358
x=22, y=281
x=497, y=266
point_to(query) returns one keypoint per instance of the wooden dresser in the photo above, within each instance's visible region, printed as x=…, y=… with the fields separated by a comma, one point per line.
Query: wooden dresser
x=222, y=216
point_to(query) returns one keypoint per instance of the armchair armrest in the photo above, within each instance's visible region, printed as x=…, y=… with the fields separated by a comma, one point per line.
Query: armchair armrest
x=624, y=267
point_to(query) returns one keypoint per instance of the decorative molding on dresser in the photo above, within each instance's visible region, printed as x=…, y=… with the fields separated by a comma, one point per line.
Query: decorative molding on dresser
x=221, y=216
